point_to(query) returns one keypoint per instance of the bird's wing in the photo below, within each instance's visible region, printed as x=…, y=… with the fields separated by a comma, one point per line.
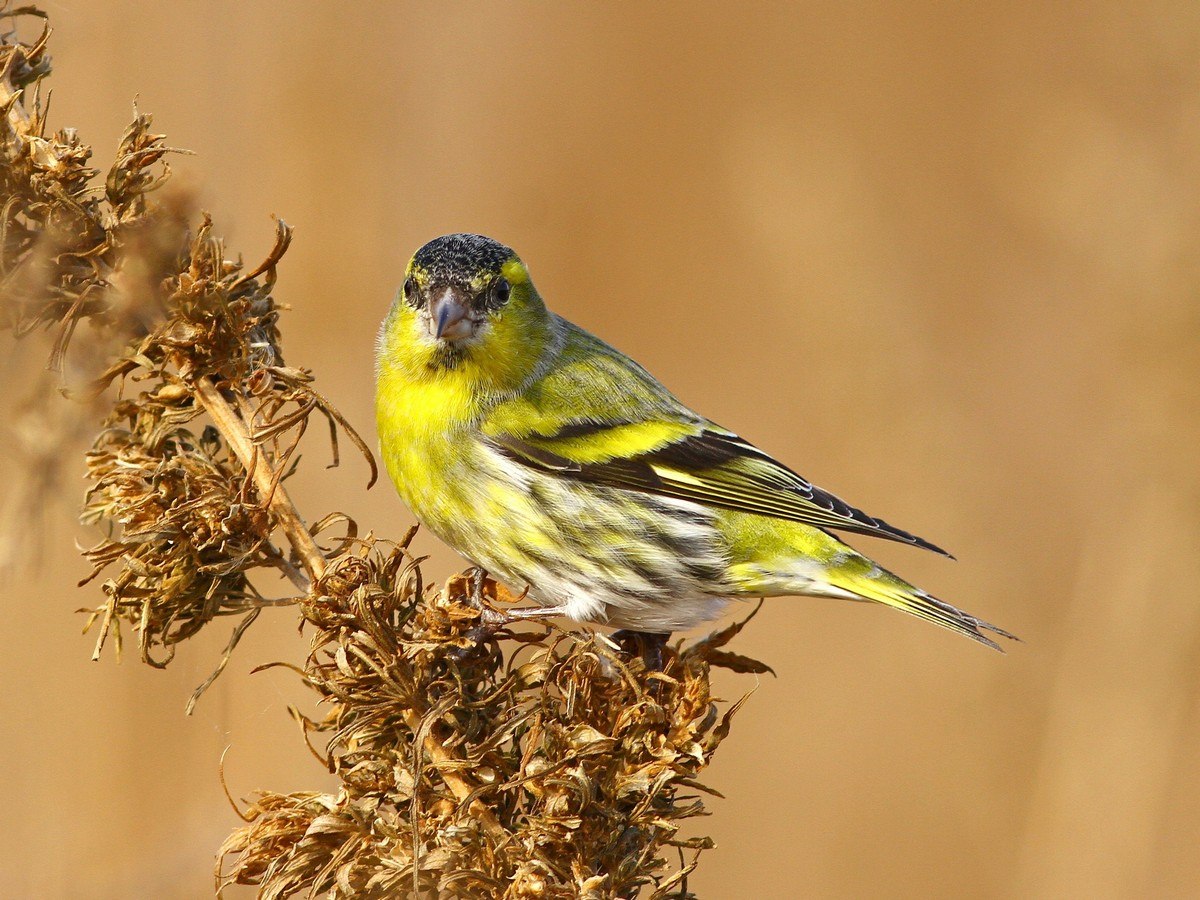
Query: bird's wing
x=598, y=417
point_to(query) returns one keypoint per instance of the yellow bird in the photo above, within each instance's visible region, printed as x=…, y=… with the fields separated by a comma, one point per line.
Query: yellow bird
x=559, y=465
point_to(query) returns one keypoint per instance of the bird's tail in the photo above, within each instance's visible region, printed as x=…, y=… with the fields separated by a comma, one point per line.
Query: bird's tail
x=881, y=586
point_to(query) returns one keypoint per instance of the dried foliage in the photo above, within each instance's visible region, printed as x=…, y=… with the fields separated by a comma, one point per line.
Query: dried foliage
x=582, y=762
x=474, y=761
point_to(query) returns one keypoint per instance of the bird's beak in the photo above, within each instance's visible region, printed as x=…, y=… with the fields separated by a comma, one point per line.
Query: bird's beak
x=450, y=315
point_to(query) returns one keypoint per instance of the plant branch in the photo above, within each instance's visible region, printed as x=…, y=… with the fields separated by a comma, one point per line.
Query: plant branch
x=237, y=433
x=18, y=118
x=462, y=787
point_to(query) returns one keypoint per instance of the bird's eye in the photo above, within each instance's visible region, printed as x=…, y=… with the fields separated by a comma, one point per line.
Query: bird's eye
x=501, y=291
x=410, y=290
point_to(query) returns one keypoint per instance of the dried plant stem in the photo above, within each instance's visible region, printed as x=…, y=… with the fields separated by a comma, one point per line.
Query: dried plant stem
x=237, y=434
x=10, y=100
x=234, y=429
x=462, y=787
x=445, y=762
x=18, y=118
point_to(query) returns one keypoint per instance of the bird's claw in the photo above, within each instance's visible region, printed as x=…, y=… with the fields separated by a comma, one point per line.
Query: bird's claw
x=646, y=645
x=489, y=618
x=477, y=576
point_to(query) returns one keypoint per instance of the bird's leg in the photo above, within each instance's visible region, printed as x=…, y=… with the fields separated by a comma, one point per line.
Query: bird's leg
x=626, y=640
x=649, y=645
x=536, y=612
x=477, y=576
x=493, y=620
x=489, y=618
x=653, y=645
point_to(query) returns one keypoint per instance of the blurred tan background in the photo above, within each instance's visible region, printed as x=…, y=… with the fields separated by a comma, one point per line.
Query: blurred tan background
x=941, y=258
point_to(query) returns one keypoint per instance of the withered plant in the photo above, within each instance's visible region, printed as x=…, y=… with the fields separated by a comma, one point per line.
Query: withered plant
x=473, y=761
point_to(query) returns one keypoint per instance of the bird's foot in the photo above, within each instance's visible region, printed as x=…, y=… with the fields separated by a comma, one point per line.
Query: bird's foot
x=477, y=575
x=536, y=612
x=492, y=620
x=648, y=645
x=489, y=618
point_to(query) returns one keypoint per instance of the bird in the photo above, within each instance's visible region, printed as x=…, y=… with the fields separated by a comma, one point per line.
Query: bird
x=562, y=468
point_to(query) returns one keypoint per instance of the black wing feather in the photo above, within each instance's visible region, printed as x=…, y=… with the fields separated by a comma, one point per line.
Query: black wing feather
x=771, y=489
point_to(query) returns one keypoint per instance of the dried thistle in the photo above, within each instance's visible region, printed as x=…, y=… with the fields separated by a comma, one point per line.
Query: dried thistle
x=583, y=762
x=474, y=761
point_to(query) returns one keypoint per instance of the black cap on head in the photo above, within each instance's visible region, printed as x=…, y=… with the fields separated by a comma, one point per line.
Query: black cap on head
x=461, y=258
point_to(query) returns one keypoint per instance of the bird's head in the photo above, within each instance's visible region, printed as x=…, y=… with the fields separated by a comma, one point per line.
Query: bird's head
x=467, y=306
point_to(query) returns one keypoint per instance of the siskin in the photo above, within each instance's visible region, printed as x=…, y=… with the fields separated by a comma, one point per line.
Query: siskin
x=559, y=465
